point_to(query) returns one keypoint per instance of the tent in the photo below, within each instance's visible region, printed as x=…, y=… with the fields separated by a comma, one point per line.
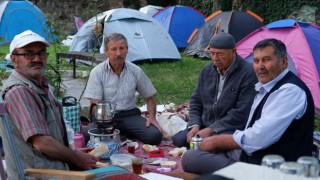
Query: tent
x=302, y=41
x=18, y=16
x=150, y=9
x=147, y=39
x=237, y=23
x=180, y=22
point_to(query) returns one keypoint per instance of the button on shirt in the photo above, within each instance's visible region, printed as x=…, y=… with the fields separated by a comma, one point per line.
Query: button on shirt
x=104, y=84
x=284, y=105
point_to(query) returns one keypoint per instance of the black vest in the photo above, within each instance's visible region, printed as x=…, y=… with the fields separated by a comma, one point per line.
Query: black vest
x=297, y=140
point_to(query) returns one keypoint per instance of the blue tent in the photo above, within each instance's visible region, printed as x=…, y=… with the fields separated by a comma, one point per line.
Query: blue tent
x=18, y=16
x=180, y=22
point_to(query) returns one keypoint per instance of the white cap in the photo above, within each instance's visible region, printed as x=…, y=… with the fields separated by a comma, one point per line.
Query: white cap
x=25, y=38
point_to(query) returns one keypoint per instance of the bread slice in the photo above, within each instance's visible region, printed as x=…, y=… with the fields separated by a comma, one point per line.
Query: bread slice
x=99, y=150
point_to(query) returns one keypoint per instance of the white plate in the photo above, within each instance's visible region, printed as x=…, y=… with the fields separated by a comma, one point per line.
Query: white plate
x=154, y=161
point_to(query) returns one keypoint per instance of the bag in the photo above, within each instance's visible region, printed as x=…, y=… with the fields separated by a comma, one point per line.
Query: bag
x=171, y=124
x=71, y=112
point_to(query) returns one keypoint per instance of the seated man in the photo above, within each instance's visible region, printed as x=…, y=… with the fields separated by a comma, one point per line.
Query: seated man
x=96, y=37
x=35, y=115
x=117, y=80
x=280, y=121
x=221, y=101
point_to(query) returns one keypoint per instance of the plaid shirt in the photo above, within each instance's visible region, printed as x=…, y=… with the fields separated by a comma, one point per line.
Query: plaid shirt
x=24, y=106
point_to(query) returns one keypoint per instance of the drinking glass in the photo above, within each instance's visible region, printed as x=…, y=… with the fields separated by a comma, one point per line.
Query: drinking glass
x=137, y=165
x=272, y=161
x=310, y=165
x=293, y=168
x=131, y=147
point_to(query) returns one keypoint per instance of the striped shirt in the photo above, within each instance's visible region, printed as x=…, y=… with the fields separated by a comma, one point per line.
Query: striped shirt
x=27, y=110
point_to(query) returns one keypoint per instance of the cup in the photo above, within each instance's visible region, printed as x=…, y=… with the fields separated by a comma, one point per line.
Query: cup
x=292, y=168
x=272, y=161
x=131, y=147
x=310, y=165
x=137, y=165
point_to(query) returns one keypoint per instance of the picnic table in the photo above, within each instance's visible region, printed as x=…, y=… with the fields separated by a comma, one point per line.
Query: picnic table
x=85, y=56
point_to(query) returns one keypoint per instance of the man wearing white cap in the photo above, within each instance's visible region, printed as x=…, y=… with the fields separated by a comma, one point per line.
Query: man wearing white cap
x=34, y=113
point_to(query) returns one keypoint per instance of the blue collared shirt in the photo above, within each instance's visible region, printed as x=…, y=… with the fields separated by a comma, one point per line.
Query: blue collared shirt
x=284, y=105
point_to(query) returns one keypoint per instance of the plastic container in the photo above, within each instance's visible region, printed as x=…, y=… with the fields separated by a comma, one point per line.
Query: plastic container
x=123, y=160
x=70, y=133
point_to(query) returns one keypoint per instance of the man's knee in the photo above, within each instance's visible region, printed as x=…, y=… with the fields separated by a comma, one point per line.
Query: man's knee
x=189, y=161
x=153, y=138
x=180, y=139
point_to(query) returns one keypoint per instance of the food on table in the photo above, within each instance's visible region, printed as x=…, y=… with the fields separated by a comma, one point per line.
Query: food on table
x=177, y=151
x=101, y=164
x=154, y=161
x=149, y=148
x=99, y=150
x=168, y=164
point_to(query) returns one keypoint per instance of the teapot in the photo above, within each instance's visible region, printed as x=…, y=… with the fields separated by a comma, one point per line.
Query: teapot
x=104, y=110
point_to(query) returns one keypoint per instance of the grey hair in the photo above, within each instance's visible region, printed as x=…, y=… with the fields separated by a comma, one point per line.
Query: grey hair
x=279, y=47
x=114, y=37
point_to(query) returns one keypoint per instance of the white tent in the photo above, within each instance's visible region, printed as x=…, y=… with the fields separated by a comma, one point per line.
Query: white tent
x=147, y=39
x=150, y=9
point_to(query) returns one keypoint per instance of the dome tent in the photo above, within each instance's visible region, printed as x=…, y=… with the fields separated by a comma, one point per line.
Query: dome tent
x=180, y=22
x=17, y=16
x=150, y=9
x=147, y=39
x=237, y=23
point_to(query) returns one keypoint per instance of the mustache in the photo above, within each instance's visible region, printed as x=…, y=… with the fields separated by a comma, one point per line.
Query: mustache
x=36, y=64
x=262, y=71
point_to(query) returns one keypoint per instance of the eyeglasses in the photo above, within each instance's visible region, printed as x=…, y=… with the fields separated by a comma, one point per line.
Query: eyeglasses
x=32, y=55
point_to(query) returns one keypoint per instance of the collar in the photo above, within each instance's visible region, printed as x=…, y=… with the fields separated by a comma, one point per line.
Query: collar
x=109, y=66
x=45, y=81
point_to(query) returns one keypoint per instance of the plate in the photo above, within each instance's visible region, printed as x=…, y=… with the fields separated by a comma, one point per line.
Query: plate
x=154, y=161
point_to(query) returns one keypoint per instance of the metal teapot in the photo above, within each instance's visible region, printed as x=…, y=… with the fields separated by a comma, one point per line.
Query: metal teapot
x=104, y=110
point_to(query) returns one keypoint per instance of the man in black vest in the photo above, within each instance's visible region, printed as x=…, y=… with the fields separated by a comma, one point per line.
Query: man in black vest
x=280, y=122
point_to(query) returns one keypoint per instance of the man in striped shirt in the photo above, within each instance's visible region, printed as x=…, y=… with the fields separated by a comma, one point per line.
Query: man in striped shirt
x=35, y=114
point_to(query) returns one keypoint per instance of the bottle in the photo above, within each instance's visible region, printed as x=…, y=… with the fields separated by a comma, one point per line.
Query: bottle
x=70, y=133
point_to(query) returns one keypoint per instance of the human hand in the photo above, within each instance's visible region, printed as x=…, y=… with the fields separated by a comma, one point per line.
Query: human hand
x=152, y=120
x=208, y=144
x=84, y=160
x=206, y=132
x=192, y=133
x=85, y=150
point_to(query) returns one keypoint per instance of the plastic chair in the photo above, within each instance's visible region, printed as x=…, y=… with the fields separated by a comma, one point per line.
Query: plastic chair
x=6, y=134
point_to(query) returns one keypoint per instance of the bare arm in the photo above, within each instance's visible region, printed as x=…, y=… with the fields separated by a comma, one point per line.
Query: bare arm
x=219, y=143
x=56, y=150
x=152, y=107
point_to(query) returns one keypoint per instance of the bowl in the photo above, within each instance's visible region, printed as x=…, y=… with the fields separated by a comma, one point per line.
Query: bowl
x=123, y=160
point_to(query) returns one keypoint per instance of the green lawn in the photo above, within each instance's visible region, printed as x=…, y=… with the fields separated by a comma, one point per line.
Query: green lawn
x=174, y=81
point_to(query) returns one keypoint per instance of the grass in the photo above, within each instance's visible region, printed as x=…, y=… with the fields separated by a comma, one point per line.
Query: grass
x=174, y=80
